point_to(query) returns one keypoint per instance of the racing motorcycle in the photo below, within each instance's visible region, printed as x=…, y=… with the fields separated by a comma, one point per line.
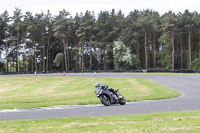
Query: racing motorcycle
x=109, y=96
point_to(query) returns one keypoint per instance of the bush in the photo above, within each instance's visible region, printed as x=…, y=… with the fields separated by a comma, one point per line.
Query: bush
x=2, y=67
x=196, y=64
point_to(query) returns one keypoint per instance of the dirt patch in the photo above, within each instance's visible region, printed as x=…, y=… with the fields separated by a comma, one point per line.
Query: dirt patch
x=184, y=118
x=3, y=89
x=123, y=130
x=51, y=87
x=173, y=129
x=94, y=124
x=120, y=122
x=14, y=84
x=78, y=93
x=79, y=124
x=144, y=91
x=156, y=120
x=9, y=86
x=72, y=94
x=120, y=119
x=194, y=117
x=178, y=118
x=3, y=131
x=41, y=128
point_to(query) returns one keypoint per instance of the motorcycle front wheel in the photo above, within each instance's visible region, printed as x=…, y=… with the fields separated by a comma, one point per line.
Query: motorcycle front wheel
x=122, y=100
x=104, y=100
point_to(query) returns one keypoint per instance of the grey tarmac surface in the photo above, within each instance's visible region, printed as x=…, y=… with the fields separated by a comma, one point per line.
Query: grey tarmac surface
x=187, y=85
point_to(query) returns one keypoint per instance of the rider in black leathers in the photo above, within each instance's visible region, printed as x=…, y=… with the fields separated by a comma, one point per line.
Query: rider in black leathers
x=98, y=85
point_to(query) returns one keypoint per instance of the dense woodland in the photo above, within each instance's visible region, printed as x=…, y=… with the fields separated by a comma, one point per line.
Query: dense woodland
x=108, y=41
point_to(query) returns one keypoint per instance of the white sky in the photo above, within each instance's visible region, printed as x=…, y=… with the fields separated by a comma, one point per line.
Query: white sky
x=73, y=6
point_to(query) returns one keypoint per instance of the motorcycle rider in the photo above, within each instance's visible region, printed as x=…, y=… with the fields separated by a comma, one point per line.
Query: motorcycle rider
x=99, y=86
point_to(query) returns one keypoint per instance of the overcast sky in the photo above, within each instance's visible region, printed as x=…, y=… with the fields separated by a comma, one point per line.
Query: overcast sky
x=73, y=6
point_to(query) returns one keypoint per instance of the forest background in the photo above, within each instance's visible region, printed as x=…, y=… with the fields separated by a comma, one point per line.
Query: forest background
x=143, y=39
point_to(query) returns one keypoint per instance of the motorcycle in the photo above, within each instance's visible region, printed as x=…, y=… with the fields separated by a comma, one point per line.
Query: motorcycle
x=109, y=96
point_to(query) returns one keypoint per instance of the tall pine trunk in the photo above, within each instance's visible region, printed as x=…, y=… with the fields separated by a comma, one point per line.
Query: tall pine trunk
x=47, y=56
x=13, y=68
x=173, y=49
x=181, y=43
x=24, y=61
x=68, y=57
x=91, y=54
x=145, y=49
x=6, y=53
x=32, y=65
x=41, y=58
x=51, y=58
x=82, y=57
x=32, y=57
x=189, y=50
x=137, y=49
x=104, y=60
x=65, y=55
x=199, y=47
x=154, y=50
x=17, y=53
x=35, y=59
x=77, y=56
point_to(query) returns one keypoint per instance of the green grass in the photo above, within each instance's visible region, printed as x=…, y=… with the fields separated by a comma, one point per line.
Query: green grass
x=43, y=91
x=178, y=122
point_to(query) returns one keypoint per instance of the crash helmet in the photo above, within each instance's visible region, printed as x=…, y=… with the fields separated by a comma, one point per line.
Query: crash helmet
x=97, y=84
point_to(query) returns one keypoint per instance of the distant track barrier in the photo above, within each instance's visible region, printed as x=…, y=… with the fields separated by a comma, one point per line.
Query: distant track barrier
x=109, y=71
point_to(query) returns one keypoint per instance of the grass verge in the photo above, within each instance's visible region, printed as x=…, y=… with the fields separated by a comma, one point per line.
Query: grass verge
x=36, y=91
x=178, y=122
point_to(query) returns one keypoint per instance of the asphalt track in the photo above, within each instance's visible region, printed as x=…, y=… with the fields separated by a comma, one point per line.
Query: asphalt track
x=187, y=85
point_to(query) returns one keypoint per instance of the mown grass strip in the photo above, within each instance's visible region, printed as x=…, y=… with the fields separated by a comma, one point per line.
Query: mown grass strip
x=178, y=122
x=36, y=91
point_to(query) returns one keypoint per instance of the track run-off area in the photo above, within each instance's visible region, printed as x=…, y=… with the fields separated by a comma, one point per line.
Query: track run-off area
x=187, y=84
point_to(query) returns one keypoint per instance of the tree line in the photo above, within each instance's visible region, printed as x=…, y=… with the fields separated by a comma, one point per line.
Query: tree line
x=110, y=41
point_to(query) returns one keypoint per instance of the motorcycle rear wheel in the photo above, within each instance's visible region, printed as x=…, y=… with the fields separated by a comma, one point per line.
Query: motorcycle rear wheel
x=104, y=100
